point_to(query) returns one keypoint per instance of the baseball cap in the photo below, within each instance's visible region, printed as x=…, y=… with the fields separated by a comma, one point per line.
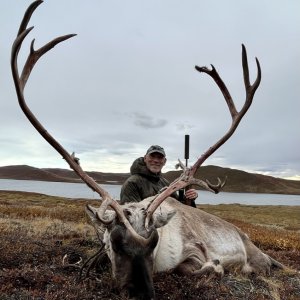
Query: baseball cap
x=157, y=149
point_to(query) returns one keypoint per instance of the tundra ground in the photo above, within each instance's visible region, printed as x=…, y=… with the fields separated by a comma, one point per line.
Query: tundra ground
x=37, y=231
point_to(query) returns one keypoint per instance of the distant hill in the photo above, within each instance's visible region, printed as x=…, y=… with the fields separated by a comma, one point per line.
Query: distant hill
x=30, y=173
x=244, y=182
x=111, y=178
x=24, y=172
x=237, y=181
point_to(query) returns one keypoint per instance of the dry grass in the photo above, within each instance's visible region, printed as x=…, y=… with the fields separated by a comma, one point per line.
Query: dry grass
x=270, y=227
x=36, y=231
x=285, y=217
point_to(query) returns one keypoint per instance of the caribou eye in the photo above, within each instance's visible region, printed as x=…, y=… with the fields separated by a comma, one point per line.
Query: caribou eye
x=127, y=213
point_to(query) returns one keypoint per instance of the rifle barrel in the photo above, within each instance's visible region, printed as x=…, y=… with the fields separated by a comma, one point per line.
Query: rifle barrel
x=186, y=148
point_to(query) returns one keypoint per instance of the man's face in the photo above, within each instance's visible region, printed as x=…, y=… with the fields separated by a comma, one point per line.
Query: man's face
x=154, y=162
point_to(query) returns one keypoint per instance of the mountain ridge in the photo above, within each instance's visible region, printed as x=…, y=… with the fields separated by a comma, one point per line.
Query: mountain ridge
x=237, y=180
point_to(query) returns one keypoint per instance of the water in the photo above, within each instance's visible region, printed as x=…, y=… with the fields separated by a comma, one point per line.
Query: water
x=62, y=189
x=80, y=190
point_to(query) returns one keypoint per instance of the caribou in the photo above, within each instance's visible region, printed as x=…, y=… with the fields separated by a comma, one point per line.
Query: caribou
x=159, y=233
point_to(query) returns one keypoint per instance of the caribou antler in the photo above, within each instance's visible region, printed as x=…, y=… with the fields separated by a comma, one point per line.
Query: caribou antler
x=186, y=177
x=20, y=82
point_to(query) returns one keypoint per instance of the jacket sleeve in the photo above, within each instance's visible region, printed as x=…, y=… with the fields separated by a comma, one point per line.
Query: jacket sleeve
x=130, y=192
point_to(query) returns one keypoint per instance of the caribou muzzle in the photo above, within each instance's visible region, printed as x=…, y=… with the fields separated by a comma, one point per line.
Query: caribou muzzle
x=133, y=262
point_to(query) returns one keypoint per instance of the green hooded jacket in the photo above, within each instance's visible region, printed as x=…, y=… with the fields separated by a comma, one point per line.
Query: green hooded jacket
x=142, y=183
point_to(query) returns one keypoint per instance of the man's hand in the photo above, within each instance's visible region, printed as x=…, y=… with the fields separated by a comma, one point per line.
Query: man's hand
x=191, y=194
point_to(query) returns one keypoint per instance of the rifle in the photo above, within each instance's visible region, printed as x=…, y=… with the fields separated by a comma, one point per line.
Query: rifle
x=186, y=156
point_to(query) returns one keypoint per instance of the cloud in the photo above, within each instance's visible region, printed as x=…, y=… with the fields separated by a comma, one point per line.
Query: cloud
x=146, y=121
x=184, y=127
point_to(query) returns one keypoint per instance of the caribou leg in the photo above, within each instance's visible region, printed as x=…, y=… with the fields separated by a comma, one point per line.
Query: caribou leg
x=211, y=269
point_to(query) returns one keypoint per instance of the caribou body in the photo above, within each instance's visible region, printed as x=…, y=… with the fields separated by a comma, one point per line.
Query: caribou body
x=182, y=239
x=159, y=233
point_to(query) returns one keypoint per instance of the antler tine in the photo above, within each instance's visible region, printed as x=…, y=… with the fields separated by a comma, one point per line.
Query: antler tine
x=20, y=83
x=187, y=176
x=27, y=16
x=217, y=187
x=214, y=74
x=35, y=55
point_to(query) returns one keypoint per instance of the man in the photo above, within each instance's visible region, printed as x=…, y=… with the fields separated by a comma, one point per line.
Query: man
x=146, y=179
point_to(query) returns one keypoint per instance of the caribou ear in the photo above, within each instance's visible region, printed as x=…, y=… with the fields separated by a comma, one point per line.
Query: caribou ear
x=163, y=218
x=92, y=213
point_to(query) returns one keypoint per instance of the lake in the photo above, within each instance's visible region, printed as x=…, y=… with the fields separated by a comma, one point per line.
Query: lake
x=80, y=190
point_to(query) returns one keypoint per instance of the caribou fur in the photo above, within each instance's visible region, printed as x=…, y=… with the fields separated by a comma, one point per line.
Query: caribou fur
x=190, y=241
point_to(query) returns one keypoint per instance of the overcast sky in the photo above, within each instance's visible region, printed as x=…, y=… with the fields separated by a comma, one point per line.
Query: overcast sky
x=127, y=80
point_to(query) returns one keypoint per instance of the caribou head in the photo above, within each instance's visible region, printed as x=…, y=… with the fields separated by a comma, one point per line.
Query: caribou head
x=131, y=249
x=149, y=236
